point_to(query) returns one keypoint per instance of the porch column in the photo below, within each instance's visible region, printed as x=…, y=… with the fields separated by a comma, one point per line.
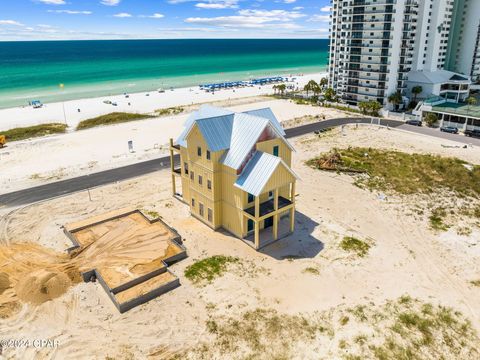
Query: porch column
x=172, y=168
x=275, y=216
x=292, y=210
x=257, y=223
x=441, y=121
x=465, y=126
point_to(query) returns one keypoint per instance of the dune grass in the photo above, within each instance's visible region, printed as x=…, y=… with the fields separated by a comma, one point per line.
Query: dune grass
x=170, y=111
x=110, y=119
x=23, y=133
x=357, y=246
x=401, y=172
x=208, y=269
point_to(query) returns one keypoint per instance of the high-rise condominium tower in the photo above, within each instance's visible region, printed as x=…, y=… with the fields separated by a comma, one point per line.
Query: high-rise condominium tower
x=464, y=43
x=374, y=44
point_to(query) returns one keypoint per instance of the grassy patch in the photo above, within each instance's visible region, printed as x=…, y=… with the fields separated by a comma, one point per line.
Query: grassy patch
x=170, y=111
x=475, y=283
x=436, y=219
x=23, y=133
x=401, y=172
x=151, y=213
x=110, y=119
x=264, y=334
x=357, y=246
x=208, y=269
x=311, y=270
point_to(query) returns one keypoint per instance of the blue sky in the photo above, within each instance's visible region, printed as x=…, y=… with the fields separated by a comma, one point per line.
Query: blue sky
x=144, y=19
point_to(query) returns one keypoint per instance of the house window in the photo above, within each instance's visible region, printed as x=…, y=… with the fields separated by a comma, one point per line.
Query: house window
x=192, y=176
x=275, y=150
x=270, y=194
x=185, y=167
x=208, y=154
x=193, y=202
x=209, y=215
x=199, y=151
x=200, y=210
x=200, y=179
x=209, y=184
x=251, y=198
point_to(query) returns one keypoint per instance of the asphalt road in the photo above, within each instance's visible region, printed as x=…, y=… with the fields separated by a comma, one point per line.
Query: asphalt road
x=69, y=186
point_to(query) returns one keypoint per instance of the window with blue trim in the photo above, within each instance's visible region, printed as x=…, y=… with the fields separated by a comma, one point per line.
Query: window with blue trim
x=275, y=150
x=251, y=198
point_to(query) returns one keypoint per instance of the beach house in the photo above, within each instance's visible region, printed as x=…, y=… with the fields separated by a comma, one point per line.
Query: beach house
x=235, y=173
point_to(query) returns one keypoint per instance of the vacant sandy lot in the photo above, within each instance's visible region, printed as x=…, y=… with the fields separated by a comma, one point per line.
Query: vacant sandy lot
x=305, y=274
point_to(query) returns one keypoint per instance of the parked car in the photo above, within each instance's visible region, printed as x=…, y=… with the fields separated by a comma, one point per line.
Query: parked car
x=449, y=129
x=472, y=133
x=414, y=122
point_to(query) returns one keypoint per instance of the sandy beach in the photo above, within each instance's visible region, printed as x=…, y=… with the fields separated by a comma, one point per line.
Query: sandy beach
x=67, y=112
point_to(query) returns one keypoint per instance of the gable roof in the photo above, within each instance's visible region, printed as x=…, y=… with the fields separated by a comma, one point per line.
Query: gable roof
x=435, y=77
x=258, y=171
x=235, y=132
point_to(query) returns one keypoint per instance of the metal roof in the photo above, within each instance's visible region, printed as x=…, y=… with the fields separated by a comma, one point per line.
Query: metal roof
x=267, y=113
x=257, y=173
x=217, y=131
x=204, y=112
x=245, y=133
x=238, y=132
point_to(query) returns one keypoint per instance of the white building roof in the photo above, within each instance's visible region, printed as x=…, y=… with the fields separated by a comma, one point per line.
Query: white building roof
x=436, y=77
x=258, y=171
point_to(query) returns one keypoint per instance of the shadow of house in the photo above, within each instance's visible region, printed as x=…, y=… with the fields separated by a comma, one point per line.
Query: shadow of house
x=300, y=244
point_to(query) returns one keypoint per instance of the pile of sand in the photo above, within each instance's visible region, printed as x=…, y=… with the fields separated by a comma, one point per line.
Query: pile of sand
x=42, y=285
x=4, y=282
x=34, y=274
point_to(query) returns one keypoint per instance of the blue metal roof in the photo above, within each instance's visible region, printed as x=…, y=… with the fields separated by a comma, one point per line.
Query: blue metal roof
x=268, y=114
x=217, y=131
x=257, y=173
x=238, y=132
x=245, y=133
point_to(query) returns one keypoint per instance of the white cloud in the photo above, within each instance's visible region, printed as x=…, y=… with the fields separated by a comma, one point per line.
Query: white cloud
x=53, y=2
x=154, y=16
x=212, y=4
x=280, y=19
x=10, y=22
x=123, y=15
x=71, y=12
x=296, y=8
x=289, y=1
x=326, y=9
x=320, y=18
x=110, y=2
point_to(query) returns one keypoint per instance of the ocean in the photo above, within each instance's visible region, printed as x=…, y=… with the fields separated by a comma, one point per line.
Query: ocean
x=34, y=70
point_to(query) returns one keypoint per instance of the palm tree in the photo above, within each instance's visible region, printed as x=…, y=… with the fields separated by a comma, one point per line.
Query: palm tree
x=323, y=82
x=329, y=94
x=282, y=88
x=310, y=86
x=275, y=88
x=431, y=119
x=363, y=106
x=374, y=107
x=395, y=99
x=416, y=90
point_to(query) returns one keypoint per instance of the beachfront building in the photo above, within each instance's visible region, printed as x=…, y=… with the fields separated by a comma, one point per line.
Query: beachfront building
x=462, y=116
x=377, y=46
x=235, y=173
x=464, y=45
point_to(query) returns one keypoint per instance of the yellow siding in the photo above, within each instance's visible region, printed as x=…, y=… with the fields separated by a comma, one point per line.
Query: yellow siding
x=284, y=152
x=224, y=199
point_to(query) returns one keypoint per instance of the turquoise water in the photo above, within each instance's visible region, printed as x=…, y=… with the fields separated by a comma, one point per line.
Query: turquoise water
x=34, y=70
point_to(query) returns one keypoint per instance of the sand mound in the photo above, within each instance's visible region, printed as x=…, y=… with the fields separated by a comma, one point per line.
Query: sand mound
x=41, y=286
x=4, y=282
